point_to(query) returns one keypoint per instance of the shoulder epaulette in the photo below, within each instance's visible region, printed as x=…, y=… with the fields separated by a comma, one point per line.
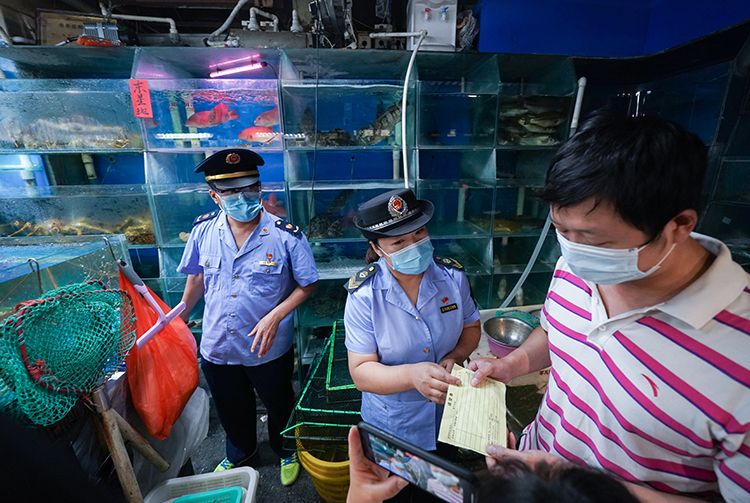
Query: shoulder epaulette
x=205, y=216
x=359, y=279
x=449, y=262
x=294, y=230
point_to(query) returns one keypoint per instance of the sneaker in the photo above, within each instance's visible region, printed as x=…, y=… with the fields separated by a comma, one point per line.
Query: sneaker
x=289, y=469
x=224, y=465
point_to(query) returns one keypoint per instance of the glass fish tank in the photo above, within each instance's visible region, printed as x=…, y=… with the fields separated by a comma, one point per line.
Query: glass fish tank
x=692, y=99
x=533, y=291
x=344, y=164
x=179, y=194
x=325, y=210
x=326, y=305
x=536, y=100
x=457, y=99
x=177, y=205
x=339, y=260
x=475, y=163
x=474, y=254
x=511, y=253
x=30, y=266
x=523, y=166
x=332, y=100
x=463, y=208
x=204, y=98
x=62, y=99
x=77, y=211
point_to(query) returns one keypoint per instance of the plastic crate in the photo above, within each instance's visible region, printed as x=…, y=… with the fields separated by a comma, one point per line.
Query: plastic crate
x=168, y=491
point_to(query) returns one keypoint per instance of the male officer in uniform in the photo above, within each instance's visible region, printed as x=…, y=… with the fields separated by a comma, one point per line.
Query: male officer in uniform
x=254, y=269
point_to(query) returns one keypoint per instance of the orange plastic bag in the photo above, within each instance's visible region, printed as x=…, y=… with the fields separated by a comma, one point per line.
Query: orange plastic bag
x=163, y=374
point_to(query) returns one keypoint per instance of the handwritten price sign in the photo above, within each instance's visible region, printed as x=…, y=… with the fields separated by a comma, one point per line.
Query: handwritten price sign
x=141, y=99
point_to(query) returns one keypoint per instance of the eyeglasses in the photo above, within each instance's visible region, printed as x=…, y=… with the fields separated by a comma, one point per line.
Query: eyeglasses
x=249, y=191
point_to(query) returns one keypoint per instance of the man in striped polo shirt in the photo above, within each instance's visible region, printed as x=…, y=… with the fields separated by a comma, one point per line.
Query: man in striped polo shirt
x=646, y=324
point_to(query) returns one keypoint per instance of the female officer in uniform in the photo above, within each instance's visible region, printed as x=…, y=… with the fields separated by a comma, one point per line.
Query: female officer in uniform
x=409, y=316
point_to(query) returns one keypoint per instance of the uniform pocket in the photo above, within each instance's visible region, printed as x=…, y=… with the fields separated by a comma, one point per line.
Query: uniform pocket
x=211, y=268
x=267, y=280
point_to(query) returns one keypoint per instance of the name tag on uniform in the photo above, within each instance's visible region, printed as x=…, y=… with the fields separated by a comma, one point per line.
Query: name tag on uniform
x=448, y=308
x=268, y=263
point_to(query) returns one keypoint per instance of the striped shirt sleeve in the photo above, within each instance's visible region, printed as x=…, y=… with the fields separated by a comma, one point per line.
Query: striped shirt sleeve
x=733, y=468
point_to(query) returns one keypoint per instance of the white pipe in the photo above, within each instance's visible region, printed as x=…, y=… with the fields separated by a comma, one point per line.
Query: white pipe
x=254, y=11
x=577, y=109
x=296, y=26
x=173, y=35
x=88, y=164
x=390, y=34
x=421, y=34
x=229, y=20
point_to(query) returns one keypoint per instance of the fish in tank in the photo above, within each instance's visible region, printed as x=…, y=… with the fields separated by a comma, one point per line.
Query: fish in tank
x=244, y=113
x=210, y=118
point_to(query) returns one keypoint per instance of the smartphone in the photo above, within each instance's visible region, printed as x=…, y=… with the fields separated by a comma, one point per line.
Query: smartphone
x=439, y=477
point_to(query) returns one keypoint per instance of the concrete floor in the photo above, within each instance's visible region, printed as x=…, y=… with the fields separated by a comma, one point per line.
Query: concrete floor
x=270, y=490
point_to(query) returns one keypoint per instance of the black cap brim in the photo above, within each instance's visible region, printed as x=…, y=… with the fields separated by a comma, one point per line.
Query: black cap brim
x=427, y=209
x=235, y=183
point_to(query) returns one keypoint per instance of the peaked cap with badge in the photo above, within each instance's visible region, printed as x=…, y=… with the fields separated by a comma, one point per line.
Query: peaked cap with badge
x=231, y=168
x=393, y=213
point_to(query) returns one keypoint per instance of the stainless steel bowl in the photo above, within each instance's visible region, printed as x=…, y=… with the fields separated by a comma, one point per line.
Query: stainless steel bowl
x=508, y=331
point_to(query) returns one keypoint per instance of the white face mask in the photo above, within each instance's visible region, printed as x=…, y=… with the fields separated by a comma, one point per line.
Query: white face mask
x=605, y=266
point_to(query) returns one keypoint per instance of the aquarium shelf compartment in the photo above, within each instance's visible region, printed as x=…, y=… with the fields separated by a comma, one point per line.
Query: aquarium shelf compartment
x=346, y=185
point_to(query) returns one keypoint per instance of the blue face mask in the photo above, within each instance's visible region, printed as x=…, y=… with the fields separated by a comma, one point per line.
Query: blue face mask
x=241, y=206
x=414, y=259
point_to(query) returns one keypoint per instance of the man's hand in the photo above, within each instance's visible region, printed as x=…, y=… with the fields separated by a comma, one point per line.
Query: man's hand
x=369, y=483
x=432, y=381
x=264, y=333
x=497, y=369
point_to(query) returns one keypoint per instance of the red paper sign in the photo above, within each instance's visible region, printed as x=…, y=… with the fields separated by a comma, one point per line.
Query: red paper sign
x=141, y=99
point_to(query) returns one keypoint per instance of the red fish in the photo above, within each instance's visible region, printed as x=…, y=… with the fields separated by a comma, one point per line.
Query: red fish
x=268, y=118
x=210, y=118
x=259, y=134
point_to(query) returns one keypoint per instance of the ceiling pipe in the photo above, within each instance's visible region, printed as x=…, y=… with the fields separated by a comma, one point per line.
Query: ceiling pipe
x=173, y=35
x=253, y=23
x=229, y=20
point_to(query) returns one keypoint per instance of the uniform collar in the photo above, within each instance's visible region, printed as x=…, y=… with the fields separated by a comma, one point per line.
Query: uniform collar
x=713, y=291
x=264, y=224
x=263, y=229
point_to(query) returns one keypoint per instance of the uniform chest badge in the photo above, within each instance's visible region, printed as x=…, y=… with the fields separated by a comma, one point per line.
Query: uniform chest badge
x=447, y=308
x=269, y=260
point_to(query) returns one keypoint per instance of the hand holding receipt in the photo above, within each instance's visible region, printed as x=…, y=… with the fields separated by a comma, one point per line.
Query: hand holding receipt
x=474, y=416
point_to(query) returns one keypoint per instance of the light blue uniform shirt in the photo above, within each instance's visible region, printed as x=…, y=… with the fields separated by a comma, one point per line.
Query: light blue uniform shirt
x=380, y=319
x=240, y=287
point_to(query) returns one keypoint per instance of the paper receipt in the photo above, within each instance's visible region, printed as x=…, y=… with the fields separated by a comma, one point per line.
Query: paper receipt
x=474, y=417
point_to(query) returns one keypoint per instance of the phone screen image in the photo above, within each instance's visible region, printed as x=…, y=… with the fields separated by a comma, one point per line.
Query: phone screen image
x=416, y=470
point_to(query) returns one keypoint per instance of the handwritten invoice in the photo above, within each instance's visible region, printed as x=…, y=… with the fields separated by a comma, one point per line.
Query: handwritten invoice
x=474, y=416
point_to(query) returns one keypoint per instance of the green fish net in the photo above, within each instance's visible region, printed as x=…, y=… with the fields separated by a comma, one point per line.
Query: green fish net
x=60, y=346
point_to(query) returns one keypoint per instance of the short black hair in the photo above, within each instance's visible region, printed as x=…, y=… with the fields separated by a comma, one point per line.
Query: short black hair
x=511, y=480
x=648, y=168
